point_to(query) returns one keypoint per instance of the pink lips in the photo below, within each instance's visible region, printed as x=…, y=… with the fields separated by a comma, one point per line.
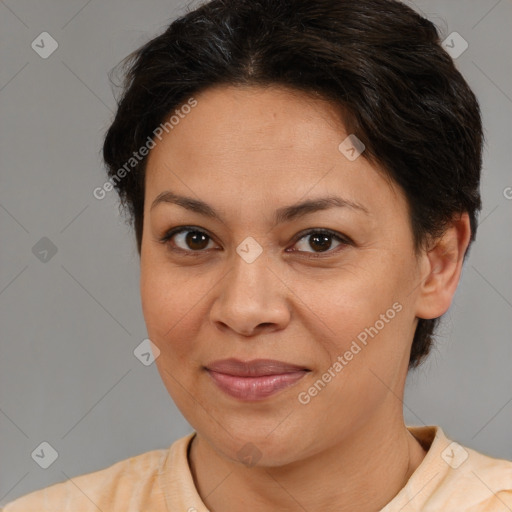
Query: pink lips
x=256, y=379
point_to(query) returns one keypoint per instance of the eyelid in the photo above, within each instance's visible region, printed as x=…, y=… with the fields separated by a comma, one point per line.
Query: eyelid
x=340, y=236
x=166, y=239
x=343, y=239
x=178, y=229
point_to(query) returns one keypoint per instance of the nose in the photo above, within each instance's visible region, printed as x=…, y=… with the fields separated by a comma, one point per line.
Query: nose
x=252, y=299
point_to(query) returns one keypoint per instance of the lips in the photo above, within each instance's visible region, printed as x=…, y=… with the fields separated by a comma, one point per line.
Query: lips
x=256, y=379
x=254, y=368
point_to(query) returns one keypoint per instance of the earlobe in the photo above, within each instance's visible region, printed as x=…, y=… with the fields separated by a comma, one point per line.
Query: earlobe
x=442, y=264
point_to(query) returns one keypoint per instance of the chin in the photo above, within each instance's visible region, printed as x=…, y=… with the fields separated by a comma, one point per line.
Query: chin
x=258, y=445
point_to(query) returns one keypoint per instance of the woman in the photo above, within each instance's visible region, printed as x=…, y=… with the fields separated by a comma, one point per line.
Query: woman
x=303, y=179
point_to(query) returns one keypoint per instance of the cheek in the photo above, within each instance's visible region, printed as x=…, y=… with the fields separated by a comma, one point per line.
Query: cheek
x=365, y=318
x=171, y=313
x=171, y=308
x=348, y=302
x=363, y=365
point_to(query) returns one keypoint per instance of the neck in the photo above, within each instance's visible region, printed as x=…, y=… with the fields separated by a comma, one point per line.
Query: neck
x=363, y=472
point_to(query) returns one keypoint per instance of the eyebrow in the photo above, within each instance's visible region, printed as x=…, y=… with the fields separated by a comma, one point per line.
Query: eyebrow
x=284, y=214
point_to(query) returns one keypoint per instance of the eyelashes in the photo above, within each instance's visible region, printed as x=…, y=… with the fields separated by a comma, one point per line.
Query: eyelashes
x=195, y=241
x=320, y=238
x=199, y=238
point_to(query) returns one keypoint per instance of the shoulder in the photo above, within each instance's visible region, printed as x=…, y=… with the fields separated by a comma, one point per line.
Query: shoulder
x=484, y=482
x=455, y=477
x=104, y=489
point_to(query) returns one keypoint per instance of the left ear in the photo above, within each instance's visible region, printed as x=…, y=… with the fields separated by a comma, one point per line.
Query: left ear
x=442, y=266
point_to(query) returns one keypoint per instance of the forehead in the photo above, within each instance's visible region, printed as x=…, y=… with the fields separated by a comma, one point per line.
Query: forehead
x=228, y=120
x=262, y=145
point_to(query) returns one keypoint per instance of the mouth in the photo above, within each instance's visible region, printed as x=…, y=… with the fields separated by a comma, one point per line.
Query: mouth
x=254, y=380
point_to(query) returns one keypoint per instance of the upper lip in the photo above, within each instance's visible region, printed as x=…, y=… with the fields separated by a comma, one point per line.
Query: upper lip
x=254, y=368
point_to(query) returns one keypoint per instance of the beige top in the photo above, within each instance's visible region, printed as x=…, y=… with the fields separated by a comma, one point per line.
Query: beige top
x=450, y=478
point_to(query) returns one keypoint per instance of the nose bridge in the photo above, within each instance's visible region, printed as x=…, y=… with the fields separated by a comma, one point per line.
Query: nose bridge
x=250, y=294
x=249, y=276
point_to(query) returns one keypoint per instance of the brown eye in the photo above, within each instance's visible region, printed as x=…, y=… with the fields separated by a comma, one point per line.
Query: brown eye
x=196, y=240
x=187, y=239
x=320, y=241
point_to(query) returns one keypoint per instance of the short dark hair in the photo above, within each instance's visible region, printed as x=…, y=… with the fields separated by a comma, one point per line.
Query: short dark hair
x=378, y=61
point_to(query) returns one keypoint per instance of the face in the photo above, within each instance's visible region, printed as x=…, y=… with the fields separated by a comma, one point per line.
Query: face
x=232, y=266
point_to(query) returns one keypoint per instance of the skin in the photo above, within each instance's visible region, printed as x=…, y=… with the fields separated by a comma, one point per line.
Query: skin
x=247, y=152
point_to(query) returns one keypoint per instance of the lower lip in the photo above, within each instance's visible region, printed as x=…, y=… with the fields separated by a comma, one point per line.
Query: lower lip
x=255, y=388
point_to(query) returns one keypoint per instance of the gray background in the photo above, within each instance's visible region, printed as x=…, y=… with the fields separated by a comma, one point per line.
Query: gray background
x=68, y=374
